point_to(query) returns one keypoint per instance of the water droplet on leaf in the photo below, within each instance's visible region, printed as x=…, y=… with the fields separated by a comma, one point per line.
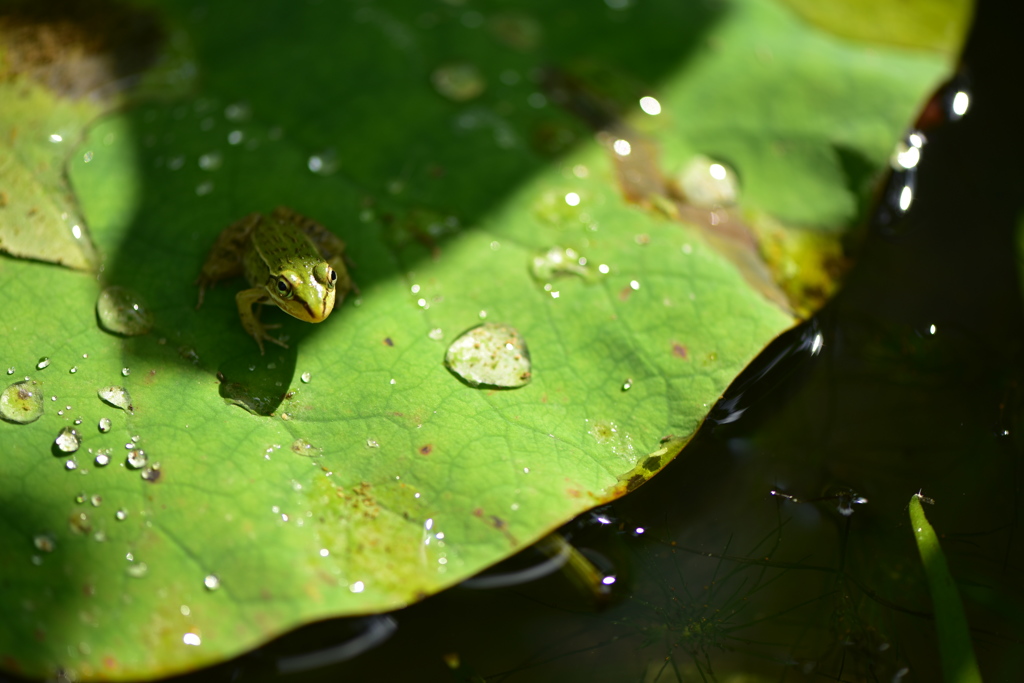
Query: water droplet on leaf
x=22, y=402
x=122, y=311
x=44, y=543
x=117, y=397
x=304, y=447
x=137, y=570
x=458, y=81
x=306, y=377
x=68, y=440
x=43, y=362
x=151, y=473
x=211, y=582
x=104, y=424
x=492, y=355
x=137, y=458
x=707, y=183
x=556, y=262
x=211, y=161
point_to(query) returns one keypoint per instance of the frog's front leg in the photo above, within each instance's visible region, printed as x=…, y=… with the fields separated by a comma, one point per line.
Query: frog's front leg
x=225, y=258
x=246, y=299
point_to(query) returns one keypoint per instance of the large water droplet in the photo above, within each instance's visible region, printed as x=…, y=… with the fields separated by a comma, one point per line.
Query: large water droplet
x=104, y=424
x=490, y=355
x=211, y=582
x=305, y=377
x=43, y=363
x=122, y=311
x=707, y=183
x=458, y=81
x=304, y=447
x=68, y=440
x=22, y=402
x=117, y=397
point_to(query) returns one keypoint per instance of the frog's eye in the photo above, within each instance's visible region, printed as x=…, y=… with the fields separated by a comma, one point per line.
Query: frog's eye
x=284, y=288
x=332, y=275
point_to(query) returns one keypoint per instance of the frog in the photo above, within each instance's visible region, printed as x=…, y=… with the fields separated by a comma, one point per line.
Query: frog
x=290, y=261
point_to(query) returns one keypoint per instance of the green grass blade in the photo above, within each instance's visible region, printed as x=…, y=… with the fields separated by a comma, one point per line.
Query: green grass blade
x=958, y=663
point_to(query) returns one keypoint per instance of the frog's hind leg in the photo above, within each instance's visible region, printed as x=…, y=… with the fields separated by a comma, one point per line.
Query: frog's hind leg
x=225, y=258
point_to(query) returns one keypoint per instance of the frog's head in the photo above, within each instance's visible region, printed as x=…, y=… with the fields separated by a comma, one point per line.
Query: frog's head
x=305, y=295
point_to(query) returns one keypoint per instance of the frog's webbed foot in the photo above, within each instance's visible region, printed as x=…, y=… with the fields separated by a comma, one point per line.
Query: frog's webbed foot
x=259, y=333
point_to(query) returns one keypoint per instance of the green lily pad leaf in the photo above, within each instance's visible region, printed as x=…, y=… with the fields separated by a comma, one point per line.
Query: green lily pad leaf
x=228, y=496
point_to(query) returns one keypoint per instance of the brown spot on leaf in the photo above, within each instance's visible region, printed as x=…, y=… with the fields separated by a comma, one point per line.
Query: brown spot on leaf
x=652, y=463
x=426, y=449
x=679, y=351
x=624, y=294
x=388, y=341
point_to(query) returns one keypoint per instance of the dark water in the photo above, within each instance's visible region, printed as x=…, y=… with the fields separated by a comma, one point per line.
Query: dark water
x=917, y=386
